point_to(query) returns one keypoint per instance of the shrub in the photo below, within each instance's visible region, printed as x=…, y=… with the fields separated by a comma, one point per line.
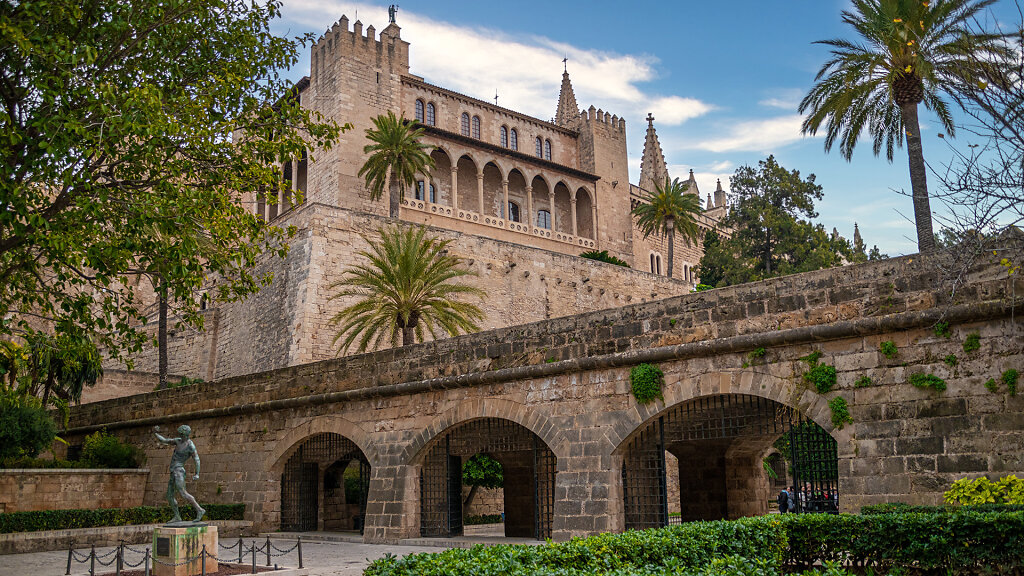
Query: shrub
x=101, y=450
x=25, y=427
x=991, y=385
x=863, y=382
x=888, y=349
x=840, y=412
x=922, y=380
x=1006, y=490
x=942, y=329
x=1010, y=378
x=821, y=376
x=476, y=520
x=951, y=360
x=26, y=462
x=604, y=256
x=702, y=288
x=902, y=508
x=972, y=343
x=65, y=519
x=646, y=381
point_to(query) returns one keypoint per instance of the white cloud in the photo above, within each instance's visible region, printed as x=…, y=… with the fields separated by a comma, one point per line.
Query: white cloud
x=784, y=99
x=762, y=136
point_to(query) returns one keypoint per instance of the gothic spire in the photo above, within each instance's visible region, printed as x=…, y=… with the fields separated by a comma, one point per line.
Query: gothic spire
x=719, y=195
x=653, y=170
x=856, y=235
x=568, y=112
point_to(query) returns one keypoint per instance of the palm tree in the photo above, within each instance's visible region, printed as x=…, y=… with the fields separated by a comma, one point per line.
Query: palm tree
x=396, y=157
x=909, y=52
x=405, y=286
x=669, y=209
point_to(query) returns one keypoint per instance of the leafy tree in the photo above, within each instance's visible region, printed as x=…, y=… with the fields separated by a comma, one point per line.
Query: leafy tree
x=121, y=117
x=407, y=283
x=604, y=256
x=25, y=427
x=769, y=236
x=61, y=366
x=909, y=52
x=481, y=471
x=396, y=157
x=667, y=210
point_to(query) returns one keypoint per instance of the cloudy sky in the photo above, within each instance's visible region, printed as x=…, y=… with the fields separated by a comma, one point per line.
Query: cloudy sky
x=723, y=80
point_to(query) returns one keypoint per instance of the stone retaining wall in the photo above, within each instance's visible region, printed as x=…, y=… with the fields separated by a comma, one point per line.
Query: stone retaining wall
x=45, y=489
x=83, y=538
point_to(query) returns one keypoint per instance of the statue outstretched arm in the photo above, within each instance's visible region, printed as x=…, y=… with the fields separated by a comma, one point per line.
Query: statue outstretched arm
x=161, y=439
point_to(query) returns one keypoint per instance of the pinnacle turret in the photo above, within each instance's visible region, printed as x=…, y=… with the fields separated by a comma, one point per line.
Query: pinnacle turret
x=857, y=240
x=653, y=170
x=719, y=195
x=710, y=203
x=568, y=112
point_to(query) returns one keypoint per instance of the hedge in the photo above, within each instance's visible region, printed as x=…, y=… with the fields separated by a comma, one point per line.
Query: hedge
x=64, y=519
x=901, y=508
x=948, y=543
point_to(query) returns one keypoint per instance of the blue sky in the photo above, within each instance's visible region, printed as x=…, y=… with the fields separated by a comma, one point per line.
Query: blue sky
x=723, y=80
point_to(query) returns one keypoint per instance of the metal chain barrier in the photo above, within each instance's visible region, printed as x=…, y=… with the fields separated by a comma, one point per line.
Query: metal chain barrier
x=117, y=556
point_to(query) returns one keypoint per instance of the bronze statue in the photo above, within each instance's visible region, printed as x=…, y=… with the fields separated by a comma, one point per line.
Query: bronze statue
x=392, y=10
x=183, y=450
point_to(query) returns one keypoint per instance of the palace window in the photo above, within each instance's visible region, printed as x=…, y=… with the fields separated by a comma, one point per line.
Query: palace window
x=421, y=188
x=652, y=264
x=513, y=212
x=547, y=149
x=465, y=124
x=504, y=137
x=431, y=117
x=419, y=110
x=540, y=147
x=476, y=127
x=514, y=143
x=657, y=260
x=544, y=219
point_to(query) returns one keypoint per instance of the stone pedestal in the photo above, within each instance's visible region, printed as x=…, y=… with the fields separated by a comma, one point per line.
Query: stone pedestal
x=172, y=545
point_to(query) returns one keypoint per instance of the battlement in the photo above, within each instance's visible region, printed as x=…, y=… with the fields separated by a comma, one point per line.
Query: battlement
x=387, y=51
x=598, y=115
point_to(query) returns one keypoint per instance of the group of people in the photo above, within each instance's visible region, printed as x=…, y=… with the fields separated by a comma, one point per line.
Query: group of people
x=808, y=499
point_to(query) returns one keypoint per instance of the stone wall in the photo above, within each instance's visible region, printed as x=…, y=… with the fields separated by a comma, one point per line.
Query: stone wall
x=31, y=490
x=115, y=383
x=567, y=381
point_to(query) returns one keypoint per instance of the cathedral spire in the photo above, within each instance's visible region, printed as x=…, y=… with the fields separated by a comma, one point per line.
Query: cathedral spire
x=653, y=171
x=856, y=235
x=719, y=195
x=568, y=112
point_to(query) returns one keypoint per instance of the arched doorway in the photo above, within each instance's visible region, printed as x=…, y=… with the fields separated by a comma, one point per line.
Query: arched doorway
x=719, y=443
x=528, y=467
x=324, y=485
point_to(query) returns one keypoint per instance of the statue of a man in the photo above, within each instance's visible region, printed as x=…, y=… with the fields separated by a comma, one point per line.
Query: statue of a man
x=392, y=10
x=183, y=450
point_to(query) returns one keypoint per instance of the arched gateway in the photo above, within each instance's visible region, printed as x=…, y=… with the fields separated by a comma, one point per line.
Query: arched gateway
x=324, y=485
x=720, y=443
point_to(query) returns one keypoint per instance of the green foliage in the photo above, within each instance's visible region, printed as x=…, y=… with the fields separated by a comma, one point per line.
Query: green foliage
x=396, y=157
x=863, y=382
x=903, y=508
x=118, y=159
x=840, y=412
x=951, y=360
x=101, y=450
x=821, y=376
x=991, y=385
x=942, y=329
x=482, y=470
x=604, y=256
x=757, y=353
x=667, y=210
x=966, y=492
x=672, y=322
x=646, y=381
x=185, y=381
x=479, y=519
x=1009, y=378
x=407, y=286
x=888, y=349
x=25, y=427
x=703, y=287
x=67, y=519
x=27, y=462
x=922, y=380
x=772, y=232
x=972, y=343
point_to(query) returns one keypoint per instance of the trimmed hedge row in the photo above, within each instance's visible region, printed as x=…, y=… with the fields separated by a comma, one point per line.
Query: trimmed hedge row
x=64, y=519
x=901, y=508
x=950, y=543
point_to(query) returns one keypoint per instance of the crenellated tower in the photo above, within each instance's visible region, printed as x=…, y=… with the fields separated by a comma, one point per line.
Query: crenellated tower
x=602, y=151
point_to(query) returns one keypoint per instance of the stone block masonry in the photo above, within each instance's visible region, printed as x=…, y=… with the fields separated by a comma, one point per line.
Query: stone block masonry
x=31, y=490
x=567, y=381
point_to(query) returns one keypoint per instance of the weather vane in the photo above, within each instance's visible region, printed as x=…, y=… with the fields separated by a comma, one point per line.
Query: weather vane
x=495, y=97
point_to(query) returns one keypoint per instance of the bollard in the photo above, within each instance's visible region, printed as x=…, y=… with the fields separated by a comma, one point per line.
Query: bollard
x=147, y=561
x=253, y=556
x=92, y=561
x=268, y=550
x=71, y=553
x=202, y=565
x=120, y=557
x=240, y=549
x=299, y=544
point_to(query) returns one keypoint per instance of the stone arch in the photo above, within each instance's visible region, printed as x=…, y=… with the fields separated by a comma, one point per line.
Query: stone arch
x=562, y=214
x=468, y=196
x=494, y=194
x=541, y=199
x=290, y=442
x=441, y=176
x=585, y=214
x=517, y=193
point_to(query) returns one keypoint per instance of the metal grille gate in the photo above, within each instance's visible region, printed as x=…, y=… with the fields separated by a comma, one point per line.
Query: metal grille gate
x=441, y=474
x=300, y=481
x=811, y=451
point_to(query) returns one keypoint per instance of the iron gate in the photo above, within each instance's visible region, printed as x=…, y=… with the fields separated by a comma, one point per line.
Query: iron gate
x=441, y=474
x=811, y=451
x=300, y=481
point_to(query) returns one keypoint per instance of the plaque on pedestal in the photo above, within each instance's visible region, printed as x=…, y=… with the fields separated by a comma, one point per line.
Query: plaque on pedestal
x=174, y=544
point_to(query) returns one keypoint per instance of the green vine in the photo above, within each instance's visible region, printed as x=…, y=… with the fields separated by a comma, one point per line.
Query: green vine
x=972, y=343
x=888, y=349
x=922, y=380
x=840, y=412
x=821, y=376
x=1010, y=378
x=646, y=381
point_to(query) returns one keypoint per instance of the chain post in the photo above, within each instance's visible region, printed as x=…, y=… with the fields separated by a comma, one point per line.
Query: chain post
x=268, y=550
x=92, y=561
x=147, y=561
x=71, y=553
x=120, y=558
x=202, y=567
x=299, y=545
x=253, y=556
x=240, y=549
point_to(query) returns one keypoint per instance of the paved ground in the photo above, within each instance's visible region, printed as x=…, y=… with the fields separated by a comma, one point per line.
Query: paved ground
x=321, y=558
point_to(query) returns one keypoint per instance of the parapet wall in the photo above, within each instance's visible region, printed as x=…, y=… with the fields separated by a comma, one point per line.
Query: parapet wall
x=34, y=490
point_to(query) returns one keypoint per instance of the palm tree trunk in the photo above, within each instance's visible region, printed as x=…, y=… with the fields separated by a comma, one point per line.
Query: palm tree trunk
x=918, y=179
x=670, y=223
x=408, y=335
x=394, y=199
x=161, y=338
